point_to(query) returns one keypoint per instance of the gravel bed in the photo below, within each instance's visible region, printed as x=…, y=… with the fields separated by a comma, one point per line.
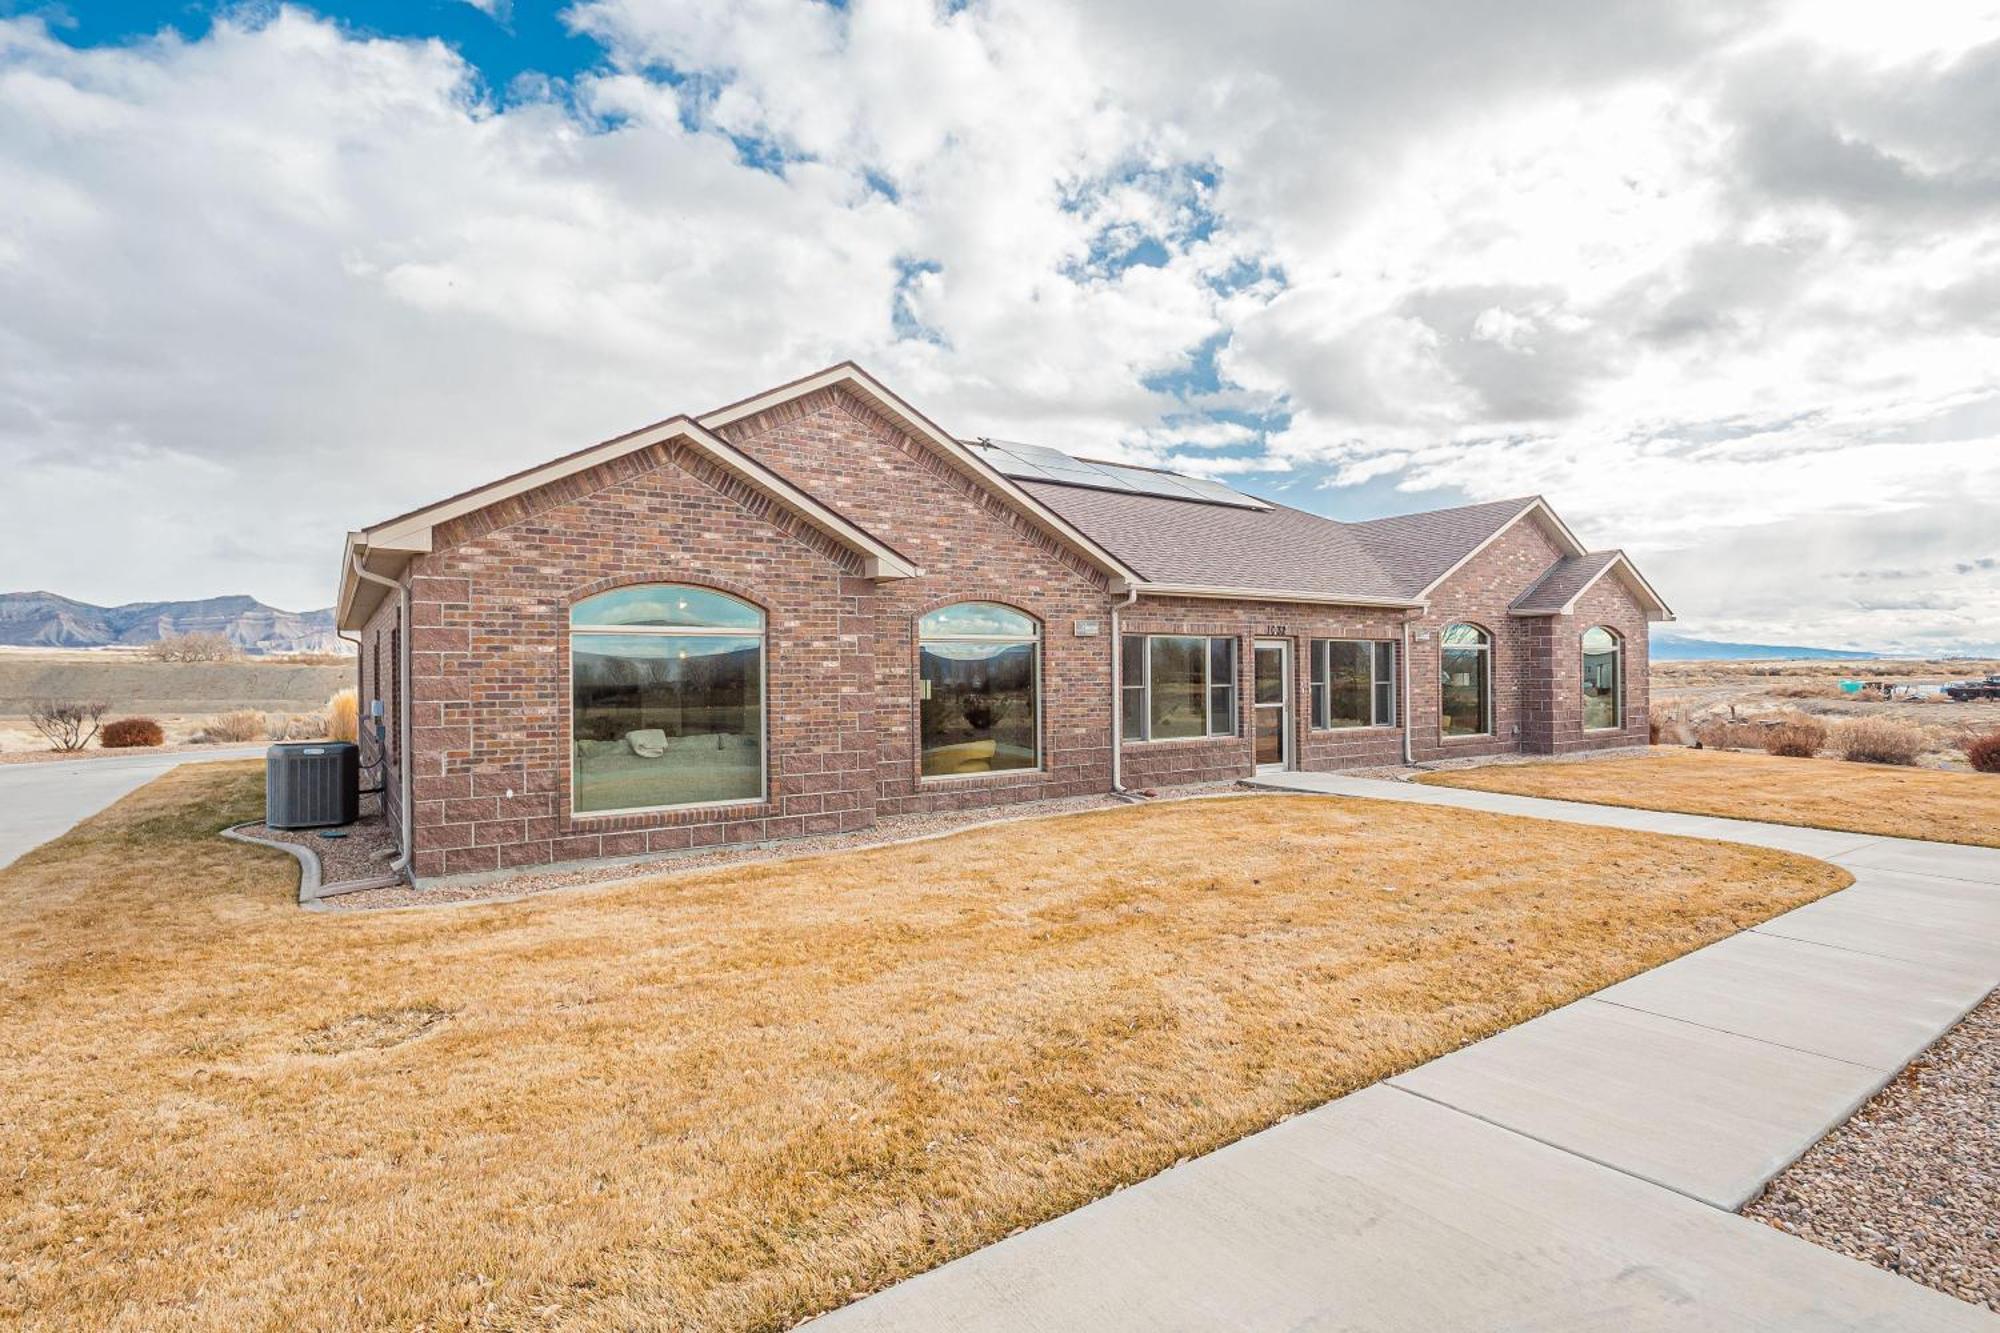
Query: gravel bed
x=364, y=853
x=1912, y=1182
x=896, y=828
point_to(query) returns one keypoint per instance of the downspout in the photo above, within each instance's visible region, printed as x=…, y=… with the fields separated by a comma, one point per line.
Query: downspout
x=1409, y=711
x=1118, y=691
x=402, y=862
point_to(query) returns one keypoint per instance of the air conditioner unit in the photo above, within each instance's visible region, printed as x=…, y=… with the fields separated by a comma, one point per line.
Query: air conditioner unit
x=312, y=784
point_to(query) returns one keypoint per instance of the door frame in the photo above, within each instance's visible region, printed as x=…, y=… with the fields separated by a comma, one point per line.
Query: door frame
x=1284, y=705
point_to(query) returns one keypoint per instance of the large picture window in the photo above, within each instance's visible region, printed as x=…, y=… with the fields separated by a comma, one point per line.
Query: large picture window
x=1465, y=688
x=666, y=699
x=1177, y=686
x=1603, y=680
x=1353, y=683
x=979, y=683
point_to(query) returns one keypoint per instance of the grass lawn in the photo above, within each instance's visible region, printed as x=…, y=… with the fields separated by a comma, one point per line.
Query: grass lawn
x=742, y=1095
x=1813, y=793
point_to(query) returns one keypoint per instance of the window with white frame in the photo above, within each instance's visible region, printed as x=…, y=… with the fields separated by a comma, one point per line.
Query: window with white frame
x=980, y=679
x=1177, y=686
x=666, y=699
x=1353, y=683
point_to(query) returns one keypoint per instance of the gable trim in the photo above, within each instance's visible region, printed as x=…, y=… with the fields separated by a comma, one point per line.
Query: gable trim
x=1564, y=538
x=411, y=534
x=859, y=382
x=1623, y=563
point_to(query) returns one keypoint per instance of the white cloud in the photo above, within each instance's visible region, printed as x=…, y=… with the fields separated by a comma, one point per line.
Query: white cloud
x=1703, y=275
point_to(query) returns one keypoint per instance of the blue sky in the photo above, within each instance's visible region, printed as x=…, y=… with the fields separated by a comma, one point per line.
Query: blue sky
x=1716, y=278
x=501, y=40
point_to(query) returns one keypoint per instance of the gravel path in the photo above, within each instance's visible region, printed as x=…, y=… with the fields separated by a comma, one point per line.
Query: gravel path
x=897, y=828
x=1912, y=1182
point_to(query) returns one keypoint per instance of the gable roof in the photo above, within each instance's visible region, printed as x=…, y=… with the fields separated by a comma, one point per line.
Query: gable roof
x=1151, y=543
x=854, y=379
x=385, y=548
x=1556, y=592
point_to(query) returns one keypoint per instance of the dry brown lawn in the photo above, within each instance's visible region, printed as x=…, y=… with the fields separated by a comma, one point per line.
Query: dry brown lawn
x=736, y=1097
x=1810, y=793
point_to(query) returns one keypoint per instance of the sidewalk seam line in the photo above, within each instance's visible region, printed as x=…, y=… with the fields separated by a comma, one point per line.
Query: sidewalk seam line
x=1732, y=1032
x=1557, y=1147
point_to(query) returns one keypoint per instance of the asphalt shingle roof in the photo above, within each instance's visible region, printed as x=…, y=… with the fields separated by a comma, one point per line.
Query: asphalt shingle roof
x=1565, y=579
x=1283, y=549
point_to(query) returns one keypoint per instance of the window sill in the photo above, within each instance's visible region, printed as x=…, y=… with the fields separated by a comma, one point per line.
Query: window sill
x=1181, y=740
x=1358, y=726
x=579, y=816
x=993, y=775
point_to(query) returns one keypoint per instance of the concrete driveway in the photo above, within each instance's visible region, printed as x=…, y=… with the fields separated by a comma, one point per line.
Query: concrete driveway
x=1579, y=1171
x=45, y=800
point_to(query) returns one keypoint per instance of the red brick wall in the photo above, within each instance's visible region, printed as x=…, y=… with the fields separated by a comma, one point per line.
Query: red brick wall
x=971, y=546
x=490, y=663
x=1479, y=594
x=1610, y=604
x=1165, y=763
x=373, y=675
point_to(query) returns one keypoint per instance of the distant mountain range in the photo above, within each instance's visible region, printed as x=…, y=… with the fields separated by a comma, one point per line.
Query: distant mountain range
x=45, y=620
x=1673, y=648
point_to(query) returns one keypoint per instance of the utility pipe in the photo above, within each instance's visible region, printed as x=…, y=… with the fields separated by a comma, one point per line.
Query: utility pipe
x=403, y=834
x=1118, y=691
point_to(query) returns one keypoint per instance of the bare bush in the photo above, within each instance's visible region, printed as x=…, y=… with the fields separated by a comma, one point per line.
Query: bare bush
x=296, y=726
x=192, y=648
x=1795, y=736
x=129, y=733
x=1983, y=752
x=1728, y=733
x=232, y=728
x=343, y=716
x=66, y=724
x=1878, y=740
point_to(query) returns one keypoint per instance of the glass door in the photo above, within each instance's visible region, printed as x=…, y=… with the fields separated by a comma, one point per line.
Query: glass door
x=1271, y=683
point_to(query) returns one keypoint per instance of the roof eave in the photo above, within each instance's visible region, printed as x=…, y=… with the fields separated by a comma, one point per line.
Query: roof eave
x=1534, y=505
x=1234, y=594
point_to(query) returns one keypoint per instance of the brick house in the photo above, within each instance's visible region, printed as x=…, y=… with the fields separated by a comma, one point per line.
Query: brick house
x=805, y=611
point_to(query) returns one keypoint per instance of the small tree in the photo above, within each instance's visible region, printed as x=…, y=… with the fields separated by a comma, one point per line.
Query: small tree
x=192, y=648
x=66, y=723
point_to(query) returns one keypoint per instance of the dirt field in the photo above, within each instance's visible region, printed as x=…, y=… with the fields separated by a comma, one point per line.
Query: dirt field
x=181, y=696
x=1686, y=693
x=733, y=1098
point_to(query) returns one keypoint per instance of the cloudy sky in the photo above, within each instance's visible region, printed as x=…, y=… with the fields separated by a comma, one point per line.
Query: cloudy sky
x=1723, y=282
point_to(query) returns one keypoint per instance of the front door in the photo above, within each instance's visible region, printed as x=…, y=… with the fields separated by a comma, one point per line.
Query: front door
x=1271, y=684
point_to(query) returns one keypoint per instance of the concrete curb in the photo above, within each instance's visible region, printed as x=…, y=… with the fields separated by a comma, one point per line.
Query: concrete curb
x=312, y=888
x=308, y=863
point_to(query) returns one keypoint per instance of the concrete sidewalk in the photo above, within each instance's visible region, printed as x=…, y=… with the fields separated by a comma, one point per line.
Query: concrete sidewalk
x=1578, y=1171
x=40, y=801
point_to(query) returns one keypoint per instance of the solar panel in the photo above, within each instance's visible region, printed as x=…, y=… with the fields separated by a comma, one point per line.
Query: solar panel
x=1036, y=462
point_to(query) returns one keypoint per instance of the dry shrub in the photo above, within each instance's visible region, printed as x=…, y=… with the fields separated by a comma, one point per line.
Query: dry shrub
x=192, y=648
x=66, y=724
x=343, y=716
x=1795, y=736
x=129, y=733
x=1667, y=723
x=1983, y=752
x=1728, y=733
x=1878, y=740
x=233, y=728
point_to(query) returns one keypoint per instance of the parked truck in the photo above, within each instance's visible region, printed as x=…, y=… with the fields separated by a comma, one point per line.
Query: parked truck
x=1967, y=690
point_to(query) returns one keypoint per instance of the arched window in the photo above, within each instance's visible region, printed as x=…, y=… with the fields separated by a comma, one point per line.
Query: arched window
x=666, y=699
x=1603, y=680
x=979, y=690
x=1465, y=686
